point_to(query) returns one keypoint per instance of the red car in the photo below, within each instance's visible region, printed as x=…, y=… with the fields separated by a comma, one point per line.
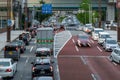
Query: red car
x=83, y=40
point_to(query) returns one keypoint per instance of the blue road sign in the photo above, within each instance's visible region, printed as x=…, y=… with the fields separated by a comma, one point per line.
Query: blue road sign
x=47, y=8
x=9, y=22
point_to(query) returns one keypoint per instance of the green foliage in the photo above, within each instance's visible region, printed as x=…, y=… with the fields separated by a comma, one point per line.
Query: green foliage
x=60, y=19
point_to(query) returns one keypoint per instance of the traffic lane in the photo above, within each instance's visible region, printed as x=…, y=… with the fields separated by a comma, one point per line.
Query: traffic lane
x=24, y=65
x=72, y=68
x=72, y=49
x=103, y=68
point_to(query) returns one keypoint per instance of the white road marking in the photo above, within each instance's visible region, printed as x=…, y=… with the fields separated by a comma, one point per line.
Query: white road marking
x=99, y=49
x=31, y=49
x=93, y=76
x=114, y=63
x=27, y=60
x=76, y=48
x=75, y=45
x=92, y=41
x=83, y=59
x=73, y=41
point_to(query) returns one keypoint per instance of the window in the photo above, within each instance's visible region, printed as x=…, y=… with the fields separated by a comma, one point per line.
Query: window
x=4, y=63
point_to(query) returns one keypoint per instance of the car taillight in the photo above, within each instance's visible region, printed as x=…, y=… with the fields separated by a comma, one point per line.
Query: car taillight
x=33, y=69
x=51, y=68
x=16, y=49
x=8, y=70
x=4, y=49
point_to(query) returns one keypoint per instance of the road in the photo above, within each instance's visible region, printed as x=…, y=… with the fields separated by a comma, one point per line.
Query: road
x=74, y=63
x=86, y=63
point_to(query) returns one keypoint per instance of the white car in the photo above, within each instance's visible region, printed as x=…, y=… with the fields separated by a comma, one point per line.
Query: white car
x=102, y=36
x=7, y=67
x=109, y=44
x=95, y=33
x=115, y=55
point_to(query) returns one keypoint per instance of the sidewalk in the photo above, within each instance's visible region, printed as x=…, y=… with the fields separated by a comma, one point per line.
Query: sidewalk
x=3, y=37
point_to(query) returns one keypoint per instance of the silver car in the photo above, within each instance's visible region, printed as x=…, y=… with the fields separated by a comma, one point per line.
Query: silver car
x=115, y=55
x=7, y=67
x=109, y=44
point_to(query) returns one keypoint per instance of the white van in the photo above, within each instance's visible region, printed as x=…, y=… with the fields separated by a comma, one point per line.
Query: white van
x=102, y=36
x=95, y=33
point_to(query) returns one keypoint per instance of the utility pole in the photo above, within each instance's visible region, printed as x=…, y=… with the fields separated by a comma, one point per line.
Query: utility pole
x=26, y=15
x=99, y=14
x=118, y=28
x=8, y=18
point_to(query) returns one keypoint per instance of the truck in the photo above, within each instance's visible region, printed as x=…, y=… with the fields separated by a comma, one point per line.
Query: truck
x=45, y=38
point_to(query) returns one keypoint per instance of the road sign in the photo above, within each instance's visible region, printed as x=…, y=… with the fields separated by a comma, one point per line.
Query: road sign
x=9, y=22
x=46, y=8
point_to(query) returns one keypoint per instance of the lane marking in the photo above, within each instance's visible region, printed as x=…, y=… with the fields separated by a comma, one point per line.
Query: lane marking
x=27, y=60
x=76, y=48
x=31, y=49
x=83, y=59
x=114, y=63
x=91, y=40
x=73, y=41
x=75, y=45
x=99, y=49
x=93, y=76
x=108, y=58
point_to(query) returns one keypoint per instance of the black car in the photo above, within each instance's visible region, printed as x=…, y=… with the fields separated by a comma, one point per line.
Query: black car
x=21, y=45
x=12, y=50
x=43, y=52
x=43, y=78
x=42, y=67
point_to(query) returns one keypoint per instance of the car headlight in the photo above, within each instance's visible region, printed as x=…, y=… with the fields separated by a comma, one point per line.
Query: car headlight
x=107, y=46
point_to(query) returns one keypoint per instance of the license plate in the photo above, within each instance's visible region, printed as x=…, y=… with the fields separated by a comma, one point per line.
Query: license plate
x=10, y=52
x=42, y=72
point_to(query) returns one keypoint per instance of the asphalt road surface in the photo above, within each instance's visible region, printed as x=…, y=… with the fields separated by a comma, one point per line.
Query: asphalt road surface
x=86, y=63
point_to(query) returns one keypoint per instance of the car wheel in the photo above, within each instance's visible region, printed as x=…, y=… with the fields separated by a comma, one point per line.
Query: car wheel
x=111, y=58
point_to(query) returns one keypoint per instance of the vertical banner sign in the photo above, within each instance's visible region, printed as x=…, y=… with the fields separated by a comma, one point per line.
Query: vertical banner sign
x=118, y=4
x=47, y=9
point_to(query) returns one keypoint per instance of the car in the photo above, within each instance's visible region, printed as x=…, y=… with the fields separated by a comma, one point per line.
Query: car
x=102, y=36
x=43, y=78
x=8, y=67
x=83, y=40
x=88, y=28
x=42, y=67
x=21, y=45
x=115, y=55
x=43, y=52
x=109, y=44
x=12, y=50
x=95, y=33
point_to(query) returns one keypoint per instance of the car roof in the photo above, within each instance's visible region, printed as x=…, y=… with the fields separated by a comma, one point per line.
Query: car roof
x=43, y=78
x=98, y=29
x=5, y=59
x=103, y=33
x=43, y=49
x=110, y=39
x=12, y=44
x=42, y=60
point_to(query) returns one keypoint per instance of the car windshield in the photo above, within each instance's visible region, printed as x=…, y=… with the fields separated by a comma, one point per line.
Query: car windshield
x=105, y=36
x=10, y=48
x=97, y=31
x=111, y=41
x=4, y=64
x=42, y=52
x=83, y=37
